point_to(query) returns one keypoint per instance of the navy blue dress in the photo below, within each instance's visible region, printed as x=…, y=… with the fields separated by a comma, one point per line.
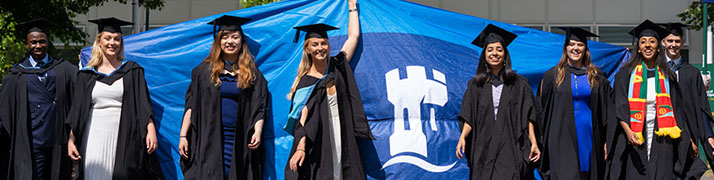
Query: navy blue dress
x=583, y=119
x=229, y=114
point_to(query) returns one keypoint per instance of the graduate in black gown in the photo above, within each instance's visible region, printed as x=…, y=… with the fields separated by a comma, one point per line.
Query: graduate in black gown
x=225, y=110
x=498, y=114
x=35, y=100
x=653, y=139
x=107, y=146
x=574, y=98
x=691, y=83
x=325, y=143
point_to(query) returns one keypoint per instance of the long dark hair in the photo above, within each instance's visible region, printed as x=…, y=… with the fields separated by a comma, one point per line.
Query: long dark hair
x=483, y=72
x=660, y=61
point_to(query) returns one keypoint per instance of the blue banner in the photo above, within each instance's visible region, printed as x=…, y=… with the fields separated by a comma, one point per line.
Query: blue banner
x=412, y=66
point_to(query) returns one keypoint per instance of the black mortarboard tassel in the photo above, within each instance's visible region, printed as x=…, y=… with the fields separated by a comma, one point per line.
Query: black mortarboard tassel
x=492, y=34
x=313, y=31
x=226, y=22
x=577, y=34
x=112, y=25
x=675, y=28
x=36, y=25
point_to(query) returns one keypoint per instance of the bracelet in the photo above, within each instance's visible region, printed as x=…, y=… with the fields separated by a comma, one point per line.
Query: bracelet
x=300, y=150
x=355, y=10
x=182, y=137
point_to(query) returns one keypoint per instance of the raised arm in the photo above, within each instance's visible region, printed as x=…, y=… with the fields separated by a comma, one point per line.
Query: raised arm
x=352, y=32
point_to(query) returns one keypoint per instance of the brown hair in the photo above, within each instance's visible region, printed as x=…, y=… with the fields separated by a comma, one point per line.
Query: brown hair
x=591, y=68
x=245, y=65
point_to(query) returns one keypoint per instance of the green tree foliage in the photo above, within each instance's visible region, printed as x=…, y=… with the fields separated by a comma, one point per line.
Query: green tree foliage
x=693, y=15
x=251, y=3
x=59, y=12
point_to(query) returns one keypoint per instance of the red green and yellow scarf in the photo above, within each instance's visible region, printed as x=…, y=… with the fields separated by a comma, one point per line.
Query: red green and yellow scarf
x=637, y=98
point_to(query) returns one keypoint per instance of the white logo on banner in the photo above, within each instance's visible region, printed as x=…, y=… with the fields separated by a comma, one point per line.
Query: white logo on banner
x=407, y=95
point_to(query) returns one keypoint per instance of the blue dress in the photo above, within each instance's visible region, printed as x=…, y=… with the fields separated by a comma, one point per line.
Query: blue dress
x=583, y=119
x=229, y=114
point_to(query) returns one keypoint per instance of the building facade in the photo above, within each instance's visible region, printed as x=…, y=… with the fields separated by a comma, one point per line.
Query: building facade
x=611, y=19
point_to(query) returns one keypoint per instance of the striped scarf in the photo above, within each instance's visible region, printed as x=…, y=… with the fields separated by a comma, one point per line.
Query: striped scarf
x=637, y=98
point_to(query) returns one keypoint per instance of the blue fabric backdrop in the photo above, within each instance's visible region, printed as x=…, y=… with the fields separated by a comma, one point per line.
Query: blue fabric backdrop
x=412, y=66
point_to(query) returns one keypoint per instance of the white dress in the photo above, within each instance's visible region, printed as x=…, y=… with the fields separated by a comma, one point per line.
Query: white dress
x=335, y=133
x=101, y=138
x=651, y=115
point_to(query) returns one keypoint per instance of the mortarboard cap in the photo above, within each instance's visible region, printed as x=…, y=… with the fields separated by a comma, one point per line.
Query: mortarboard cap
x=36, y=25
x=675, y=28
x=313, y=30
x=492, y=34
x=226, y=22
x=648, y=28
x=112, y=25
x=577, y=34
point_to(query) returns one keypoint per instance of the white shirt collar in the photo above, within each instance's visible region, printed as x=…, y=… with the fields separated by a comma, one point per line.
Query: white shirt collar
x=33, y=62
x=676, y=61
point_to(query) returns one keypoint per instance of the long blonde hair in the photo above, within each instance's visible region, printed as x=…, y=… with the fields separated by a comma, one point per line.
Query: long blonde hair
x=245, y=65
x=97, y=53
x=592, y=70
x=303, y=68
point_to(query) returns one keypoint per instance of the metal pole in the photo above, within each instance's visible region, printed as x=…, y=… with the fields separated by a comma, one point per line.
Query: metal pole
x=147, y=19
x=135, y=15
x=705, y=26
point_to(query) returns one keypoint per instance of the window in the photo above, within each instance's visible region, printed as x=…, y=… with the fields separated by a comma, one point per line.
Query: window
x=533, y=26
x=127, y=30
x=556, y=28
x=57, y=42
x=152, y=27
x=616, y=34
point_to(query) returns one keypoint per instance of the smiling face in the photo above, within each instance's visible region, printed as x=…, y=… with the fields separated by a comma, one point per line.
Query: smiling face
x=575, y=51
x=318, y=48
x=110, y=43
x=648, y=47
x=37, y=44
x=231, y=42
x=673, y=45
x=494, y=55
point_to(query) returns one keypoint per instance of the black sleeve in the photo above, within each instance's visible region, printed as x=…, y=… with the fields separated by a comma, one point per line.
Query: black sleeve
x=622, y=106
x=468, y=106
x=189, y=101
x=530, y=115
x=4, y=114
x=145, y=111
x=78, y=111
x=704, y=108
x=361, y=126
x=259, y=99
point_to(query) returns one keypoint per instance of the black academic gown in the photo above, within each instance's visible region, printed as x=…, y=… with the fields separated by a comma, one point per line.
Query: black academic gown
x=560, y=158
x=668, y=156
x=132, y=161
x=700, y=125
x=498, y=149
x=353, y=122
x=205, y=154
x=15, y=117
